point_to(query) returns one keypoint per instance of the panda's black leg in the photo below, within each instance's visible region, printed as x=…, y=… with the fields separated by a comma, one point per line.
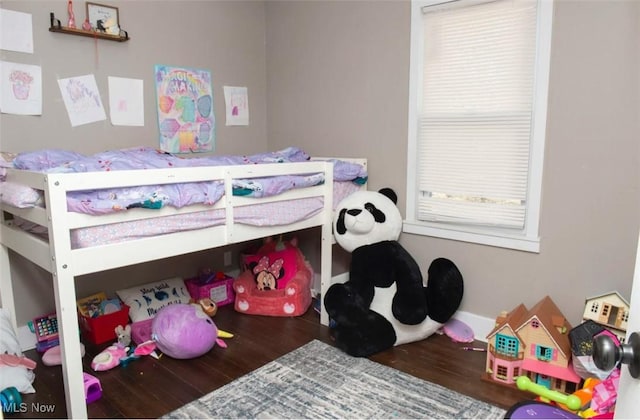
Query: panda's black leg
x=444, y=291
x=371, y=336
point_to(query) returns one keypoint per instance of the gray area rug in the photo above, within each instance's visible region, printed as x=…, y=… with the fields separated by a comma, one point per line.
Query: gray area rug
x=320, y=381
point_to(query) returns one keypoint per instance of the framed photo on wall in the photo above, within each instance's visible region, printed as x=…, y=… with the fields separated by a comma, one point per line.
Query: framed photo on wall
x=102, y=12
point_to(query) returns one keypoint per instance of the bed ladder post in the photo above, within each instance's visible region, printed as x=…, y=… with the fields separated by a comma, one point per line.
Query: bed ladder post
x=326, y=246
x=62, y=270
x=6, y=286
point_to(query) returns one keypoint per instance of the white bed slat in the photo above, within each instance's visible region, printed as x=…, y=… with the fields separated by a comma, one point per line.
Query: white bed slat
x=37, y=248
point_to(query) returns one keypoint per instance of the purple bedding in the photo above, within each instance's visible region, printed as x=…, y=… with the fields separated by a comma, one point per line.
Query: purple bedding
x=176, y=195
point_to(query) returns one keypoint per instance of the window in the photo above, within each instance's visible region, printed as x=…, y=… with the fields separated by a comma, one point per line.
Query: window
x=544, y=353
x=506, y=345
x=477, y=120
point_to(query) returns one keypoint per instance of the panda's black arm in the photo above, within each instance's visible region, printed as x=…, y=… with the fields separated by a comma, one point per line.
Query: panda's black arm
x=374, y=264
x=409, y=304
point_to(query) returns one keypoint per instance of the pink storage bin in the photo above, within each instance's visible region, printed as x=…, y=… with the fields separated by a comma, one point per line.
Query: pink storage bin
x=216, y=286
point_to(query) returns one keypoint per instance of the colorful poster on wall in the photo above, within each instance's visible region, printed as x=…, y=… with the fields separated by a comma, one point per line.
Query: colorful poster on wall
x=185, y=109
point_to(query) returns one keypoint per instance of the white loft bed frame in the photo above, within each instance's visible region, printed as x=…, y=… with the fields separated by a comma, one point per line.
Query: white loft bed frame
x=64, y=263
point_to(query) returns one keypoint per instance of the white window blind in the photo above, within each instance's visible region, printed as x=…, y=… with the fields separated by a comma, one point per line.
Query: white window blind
x=475, y=115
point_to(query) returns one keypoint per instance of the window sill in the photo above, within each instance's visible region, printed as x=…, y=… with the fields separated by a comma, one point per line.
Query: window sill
x=497, y=239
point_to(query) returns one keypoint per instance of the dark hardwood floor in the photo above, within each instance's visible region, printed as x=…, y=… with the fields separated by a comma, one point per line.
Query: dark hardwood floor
x=149, y=388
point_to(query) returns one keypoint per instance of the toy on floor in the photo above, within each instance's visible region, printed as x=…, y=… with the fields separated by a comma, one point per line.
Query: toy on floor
x=92, y=388
x=184, y=331
x=119, y=354
x=572, y=402
x=385, y=302
x=458, y=331
x=10, y=400
x=582, y=338
x=538, y=410
x=610, y=310
x=46, y=329
x=123, y=335
x=533, y=342
x=593, y=400
x=109, y=357
x=208, y=306
x=53, y=356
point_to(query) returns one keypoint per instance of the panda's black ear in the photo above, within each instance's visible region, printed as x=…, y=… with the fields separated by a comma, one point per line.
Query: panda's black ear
x=390, y=194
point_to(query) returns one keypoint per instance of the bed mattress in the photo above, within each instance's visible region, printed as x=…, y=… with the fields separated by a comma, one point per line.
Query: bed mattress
x=268, y=214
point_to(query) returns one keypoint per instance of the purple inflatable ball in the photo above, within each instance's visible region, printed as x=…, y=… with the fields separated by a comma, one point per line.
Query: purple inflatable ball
x=183, y=331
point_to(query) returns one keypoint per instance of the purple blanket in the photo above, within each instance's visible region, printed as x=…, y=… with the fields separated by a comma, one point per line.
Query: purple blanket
x=176, y=195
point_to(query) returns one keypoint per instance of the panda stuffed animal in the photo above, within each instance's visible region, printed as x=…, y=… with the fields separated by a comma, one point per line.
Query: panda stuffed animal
x=385, y=302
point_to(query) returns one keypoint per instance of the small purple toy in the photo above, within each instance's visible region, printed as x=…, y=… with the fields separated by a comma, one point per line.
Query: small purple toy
x=92, y=388
x=184, y=331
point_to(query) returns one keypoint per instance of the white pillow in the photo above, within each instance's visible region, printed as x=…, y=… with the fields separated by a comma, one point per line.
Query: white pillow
x=146, y=300
x=17, y=376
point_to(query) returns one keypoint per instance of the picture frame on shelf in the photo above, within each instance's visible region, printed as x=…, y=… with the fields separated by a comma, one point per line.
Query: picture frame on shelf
x=103, y=18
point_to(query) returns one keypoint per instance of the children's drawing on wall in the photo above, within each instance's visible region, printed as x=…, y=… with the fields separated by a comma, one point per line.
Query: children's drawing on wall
x=20, y=89
x=185, y=109
x=16, y=31
x=126, y=101
x=236, y=100
x=82, y=99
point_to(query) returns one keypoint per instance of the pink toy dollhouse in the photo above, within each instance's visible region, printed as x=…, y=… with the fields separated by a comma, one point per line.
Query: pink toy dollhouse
x=534, y=343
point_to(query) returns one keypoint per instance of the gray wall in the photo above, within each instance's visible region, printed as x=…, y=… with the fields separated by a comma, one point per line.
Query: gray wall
x=338, y=84
x=225, y=37
x=333, y=79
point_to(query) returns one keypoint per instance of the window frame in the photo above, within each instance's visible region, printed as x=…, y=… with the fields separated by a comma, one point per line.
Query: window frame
x=527, y=239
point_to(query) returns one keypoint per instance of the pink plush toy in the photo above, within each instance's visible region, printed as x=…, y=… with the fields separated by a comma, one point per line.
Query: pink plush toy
x=109, y=358
x=184, y=331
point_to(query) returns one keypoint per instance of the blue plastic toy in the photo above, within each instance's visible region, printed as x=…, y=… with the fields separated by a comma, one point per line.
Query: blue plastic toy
x=10, y=399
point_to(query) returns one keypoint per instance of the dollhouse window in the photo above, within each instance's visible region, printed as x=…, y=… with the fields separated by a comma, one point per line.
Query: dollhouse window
x=625, y=316
x=506, y=345
x=594, y=307
x=502, y=372
x=605, y=310
x=535, y=323
x=544, y=353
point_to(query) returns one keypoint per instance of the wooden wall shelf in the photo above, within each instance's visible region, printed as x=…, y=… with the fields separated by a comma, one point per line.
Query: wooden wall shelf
x=56, y=27
x=90, y=34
